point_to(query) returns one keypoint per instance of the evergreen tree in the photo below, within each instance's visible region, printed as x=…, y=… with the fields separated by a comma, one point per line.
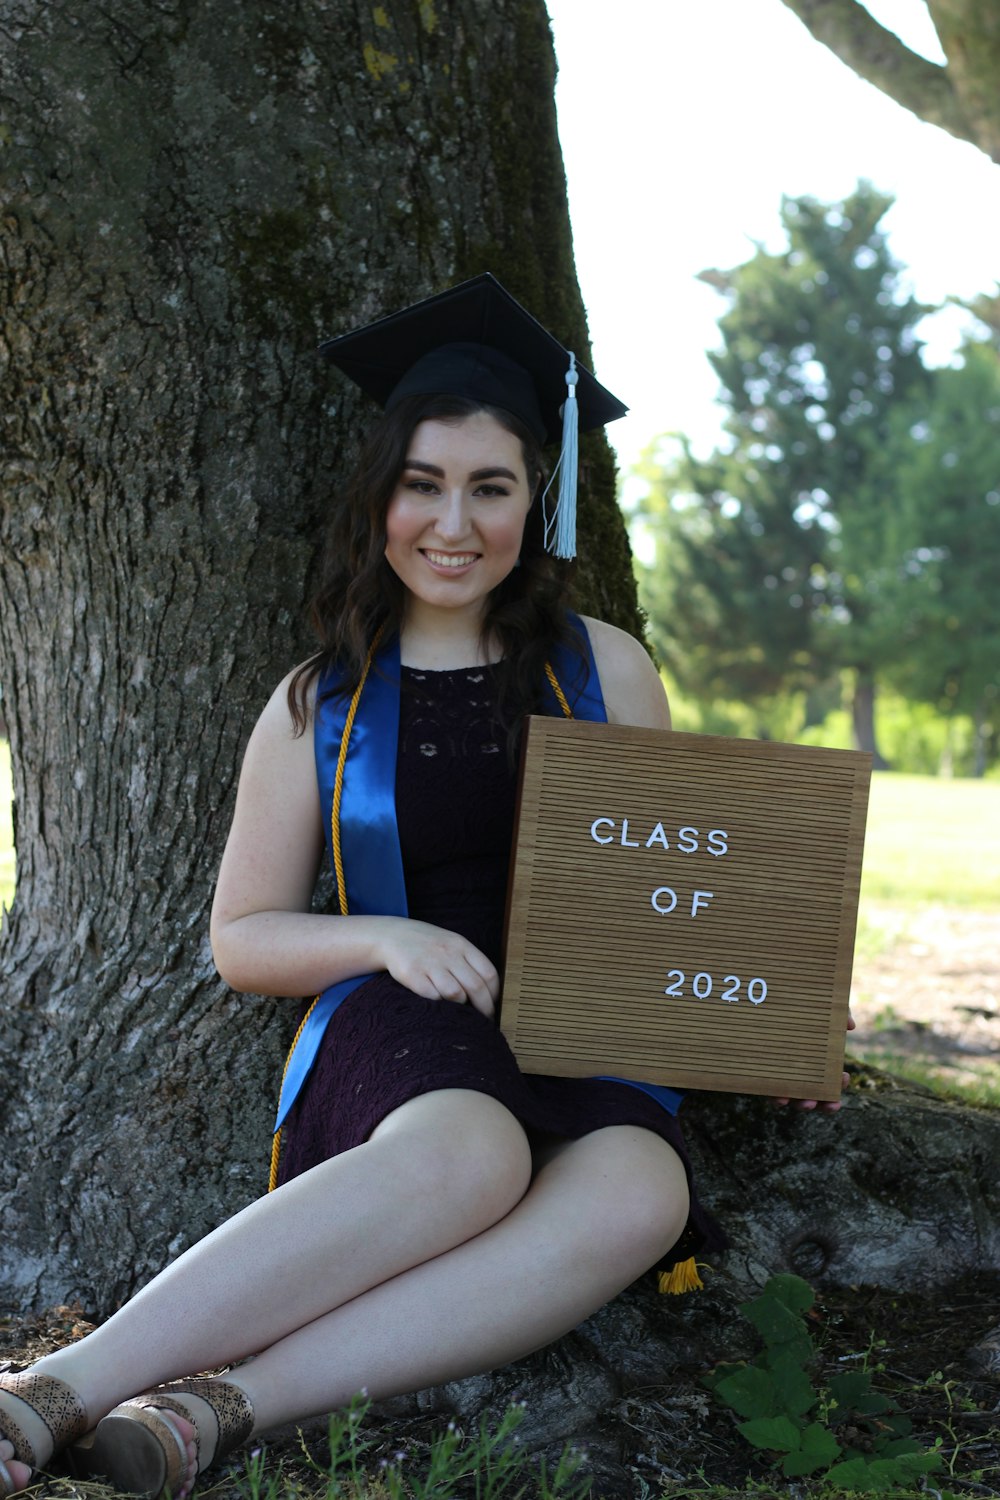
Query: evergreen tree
x=944, y=463
x=770, y=553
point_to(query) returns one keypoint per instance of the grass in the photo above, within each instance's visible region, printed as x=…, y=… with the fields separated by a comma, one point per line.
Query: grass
x=983, y=1091
x=931, y=840
x=484, y=1464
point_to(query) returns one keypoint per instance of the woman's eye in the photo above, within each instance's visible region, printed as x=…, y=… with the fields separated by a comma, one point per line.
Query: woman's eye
x=422, y=486
x=491, y=490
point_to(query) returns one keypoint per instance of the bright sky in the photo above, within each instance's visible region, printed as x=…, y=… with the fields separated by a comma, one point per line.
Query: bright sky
x=682, y=124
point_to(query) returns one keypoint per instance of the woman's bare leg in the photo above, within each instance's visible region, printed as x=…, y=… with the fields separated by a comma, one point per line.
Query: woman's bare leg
x=598, y=1213
x=436, y=1172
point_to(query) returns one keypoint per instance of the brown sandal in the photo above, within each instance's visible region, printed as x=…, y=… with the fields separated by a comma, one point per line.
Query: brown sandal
x=53, y=1402
x=142, y=1453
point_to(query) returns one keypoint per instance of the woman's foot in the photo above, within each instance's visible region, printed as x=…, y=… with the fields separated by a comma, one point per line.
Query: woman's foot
x=141, y=1451
x=158, y=1443
x=38, y=1415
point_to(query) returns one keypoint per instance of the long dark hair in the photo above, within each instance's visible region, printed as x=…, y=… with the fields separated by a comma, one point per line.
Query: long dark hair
x=359, y=592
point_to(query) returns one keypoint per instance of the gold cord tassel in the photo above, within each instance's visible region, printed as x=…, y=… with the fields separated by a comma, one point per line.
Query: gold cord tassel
x=683, y=1277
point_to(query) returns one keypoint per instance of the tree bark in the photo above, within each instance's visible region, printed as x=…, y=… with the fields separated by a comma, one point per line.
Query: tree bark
x=863, y=719
x=192, y=195
x=983, y=729
x=961, y=98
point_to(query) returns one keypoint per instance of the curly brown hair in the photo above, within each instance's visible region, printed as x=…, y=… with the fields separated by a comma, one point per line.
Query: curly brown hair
x=359, y=592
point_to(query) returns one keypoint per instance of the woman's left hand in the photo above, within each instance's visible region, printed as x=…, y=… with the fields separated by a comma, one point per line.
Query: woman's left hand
x=825, y=1106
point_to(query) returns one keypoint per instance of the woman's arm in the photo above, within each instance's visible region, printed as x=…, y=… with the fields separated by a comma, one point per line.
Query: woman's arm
x=264, y=938
x=633, y=692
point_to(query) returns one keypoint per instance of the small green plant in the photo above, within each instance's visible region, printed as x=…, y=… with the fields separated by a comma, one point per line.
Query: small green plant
x=487, y=1465
x=845, y=1429
x=953, y=1405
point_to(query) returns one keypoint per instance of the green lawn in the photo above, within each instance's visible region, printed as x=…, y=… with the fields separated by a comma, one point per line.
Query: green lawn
x=932, y=840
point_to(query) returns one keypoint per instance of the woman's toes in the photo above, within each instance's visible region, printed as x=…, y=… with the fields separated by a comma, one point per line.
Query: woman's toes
x=20, y=1474
x=187, y=1433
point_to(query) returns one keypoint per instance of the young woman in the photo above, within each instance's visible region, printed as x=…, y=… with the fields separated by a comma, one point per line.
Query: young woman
x=436, y=1212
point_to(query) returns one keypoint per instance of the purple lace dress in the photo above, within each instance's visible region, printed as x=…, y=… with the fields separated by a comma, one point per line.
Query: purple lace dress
x=455, y=795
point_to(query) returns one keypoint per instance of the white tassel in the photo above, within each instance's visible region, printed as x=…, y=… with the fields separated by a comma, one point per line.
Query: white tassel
x=560, y=527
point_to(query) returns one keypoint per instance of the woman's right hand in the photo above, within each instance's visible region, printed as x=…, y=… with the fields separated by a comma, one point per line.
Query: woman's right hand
x=439, y=965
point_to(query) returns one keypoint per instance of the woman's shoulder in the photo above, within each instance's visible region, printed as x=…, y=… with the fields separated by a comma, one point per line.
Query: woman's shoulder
x=633, y=692
x=297, y=687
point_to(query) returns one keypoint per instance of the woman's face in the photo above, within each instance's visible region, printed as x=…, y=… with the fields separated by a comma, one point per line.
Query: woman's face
x=456, y=518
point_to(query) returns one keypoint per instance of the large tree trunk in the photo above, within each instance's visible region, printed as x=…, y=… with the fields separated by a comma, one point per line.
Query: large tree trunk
x=193, y=192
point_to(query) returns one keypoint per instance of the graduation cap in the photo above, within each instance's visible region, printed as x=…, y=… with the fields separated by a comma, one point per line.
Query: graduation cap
x=476, y=340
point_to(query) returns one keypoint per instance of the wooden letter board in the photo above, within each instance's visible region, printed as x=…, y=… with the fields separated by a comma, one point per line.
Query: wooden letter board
x=682, y=908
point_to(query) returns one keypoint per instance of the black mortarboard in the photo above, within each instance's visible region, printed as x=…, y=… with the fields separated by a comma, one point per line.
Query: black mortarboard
x=473, y=340
x=476, y=340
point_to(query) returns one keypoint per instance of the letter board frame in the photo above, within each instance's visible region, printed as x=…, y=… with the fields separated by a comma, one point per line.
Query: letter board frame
x=591, y=950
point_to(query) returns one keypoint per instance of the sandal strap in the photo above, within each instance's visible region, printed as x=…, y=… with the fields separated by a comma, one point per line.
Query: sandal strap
x=231, y=1406
x=9, y=1430
x=160, y=1401
x=54, y=1402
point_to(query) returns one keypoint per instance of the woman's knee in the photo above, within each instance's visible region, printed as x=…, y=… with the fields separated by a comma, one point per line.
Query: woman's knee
x=641, y=1192
x=460, y=1144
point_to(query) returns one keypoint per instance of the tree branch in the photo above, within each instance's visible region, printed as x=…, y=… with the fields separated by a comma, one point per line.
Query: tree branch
x=880, y=58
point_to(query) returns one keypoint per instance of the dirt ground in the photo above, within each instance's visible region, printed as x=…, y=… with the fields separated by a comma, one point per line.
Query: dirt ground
x=927, y=991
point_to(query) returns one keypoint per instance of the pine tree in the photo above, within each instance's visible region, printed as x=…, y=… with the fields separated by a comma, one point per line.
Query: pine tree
x=944, y=462
x=771, y=552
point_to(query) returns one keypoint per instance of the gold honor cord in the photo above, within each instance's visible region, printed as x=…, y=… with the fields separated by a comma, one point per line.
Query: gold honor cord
x=560, y=695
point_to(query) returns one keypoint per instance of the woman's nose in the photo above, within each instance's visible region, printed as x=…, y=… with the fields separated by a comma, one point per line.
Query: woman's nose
x=453, y=516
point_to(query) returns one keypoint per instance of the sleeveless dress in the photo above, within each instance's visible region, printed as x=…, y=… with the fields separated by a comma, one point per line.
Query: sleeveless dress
x=384, y=1045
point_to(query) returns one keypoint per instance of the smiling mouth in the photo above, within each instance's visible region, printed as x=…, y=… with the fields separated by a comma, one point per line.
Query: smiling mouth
x=450, y=559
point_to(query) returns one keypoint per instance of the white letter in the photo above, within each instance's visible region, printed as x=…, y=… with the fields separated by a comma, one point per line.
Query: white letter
x=658, y=836
x=697, y=903
x=717, y=841
x=663, y=890
x=687, y=840
x=610, y=822
x=628, y=843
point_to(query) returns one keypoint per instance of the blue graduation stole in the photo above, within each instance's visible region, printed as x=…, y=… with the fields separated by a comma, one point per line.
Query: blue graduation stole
x=372, y=864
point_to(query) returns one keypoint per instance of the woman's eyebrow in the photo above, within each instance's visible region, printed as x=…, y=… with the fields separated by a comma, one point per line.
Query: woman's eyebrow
x=416, y=463
x=492, y=471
